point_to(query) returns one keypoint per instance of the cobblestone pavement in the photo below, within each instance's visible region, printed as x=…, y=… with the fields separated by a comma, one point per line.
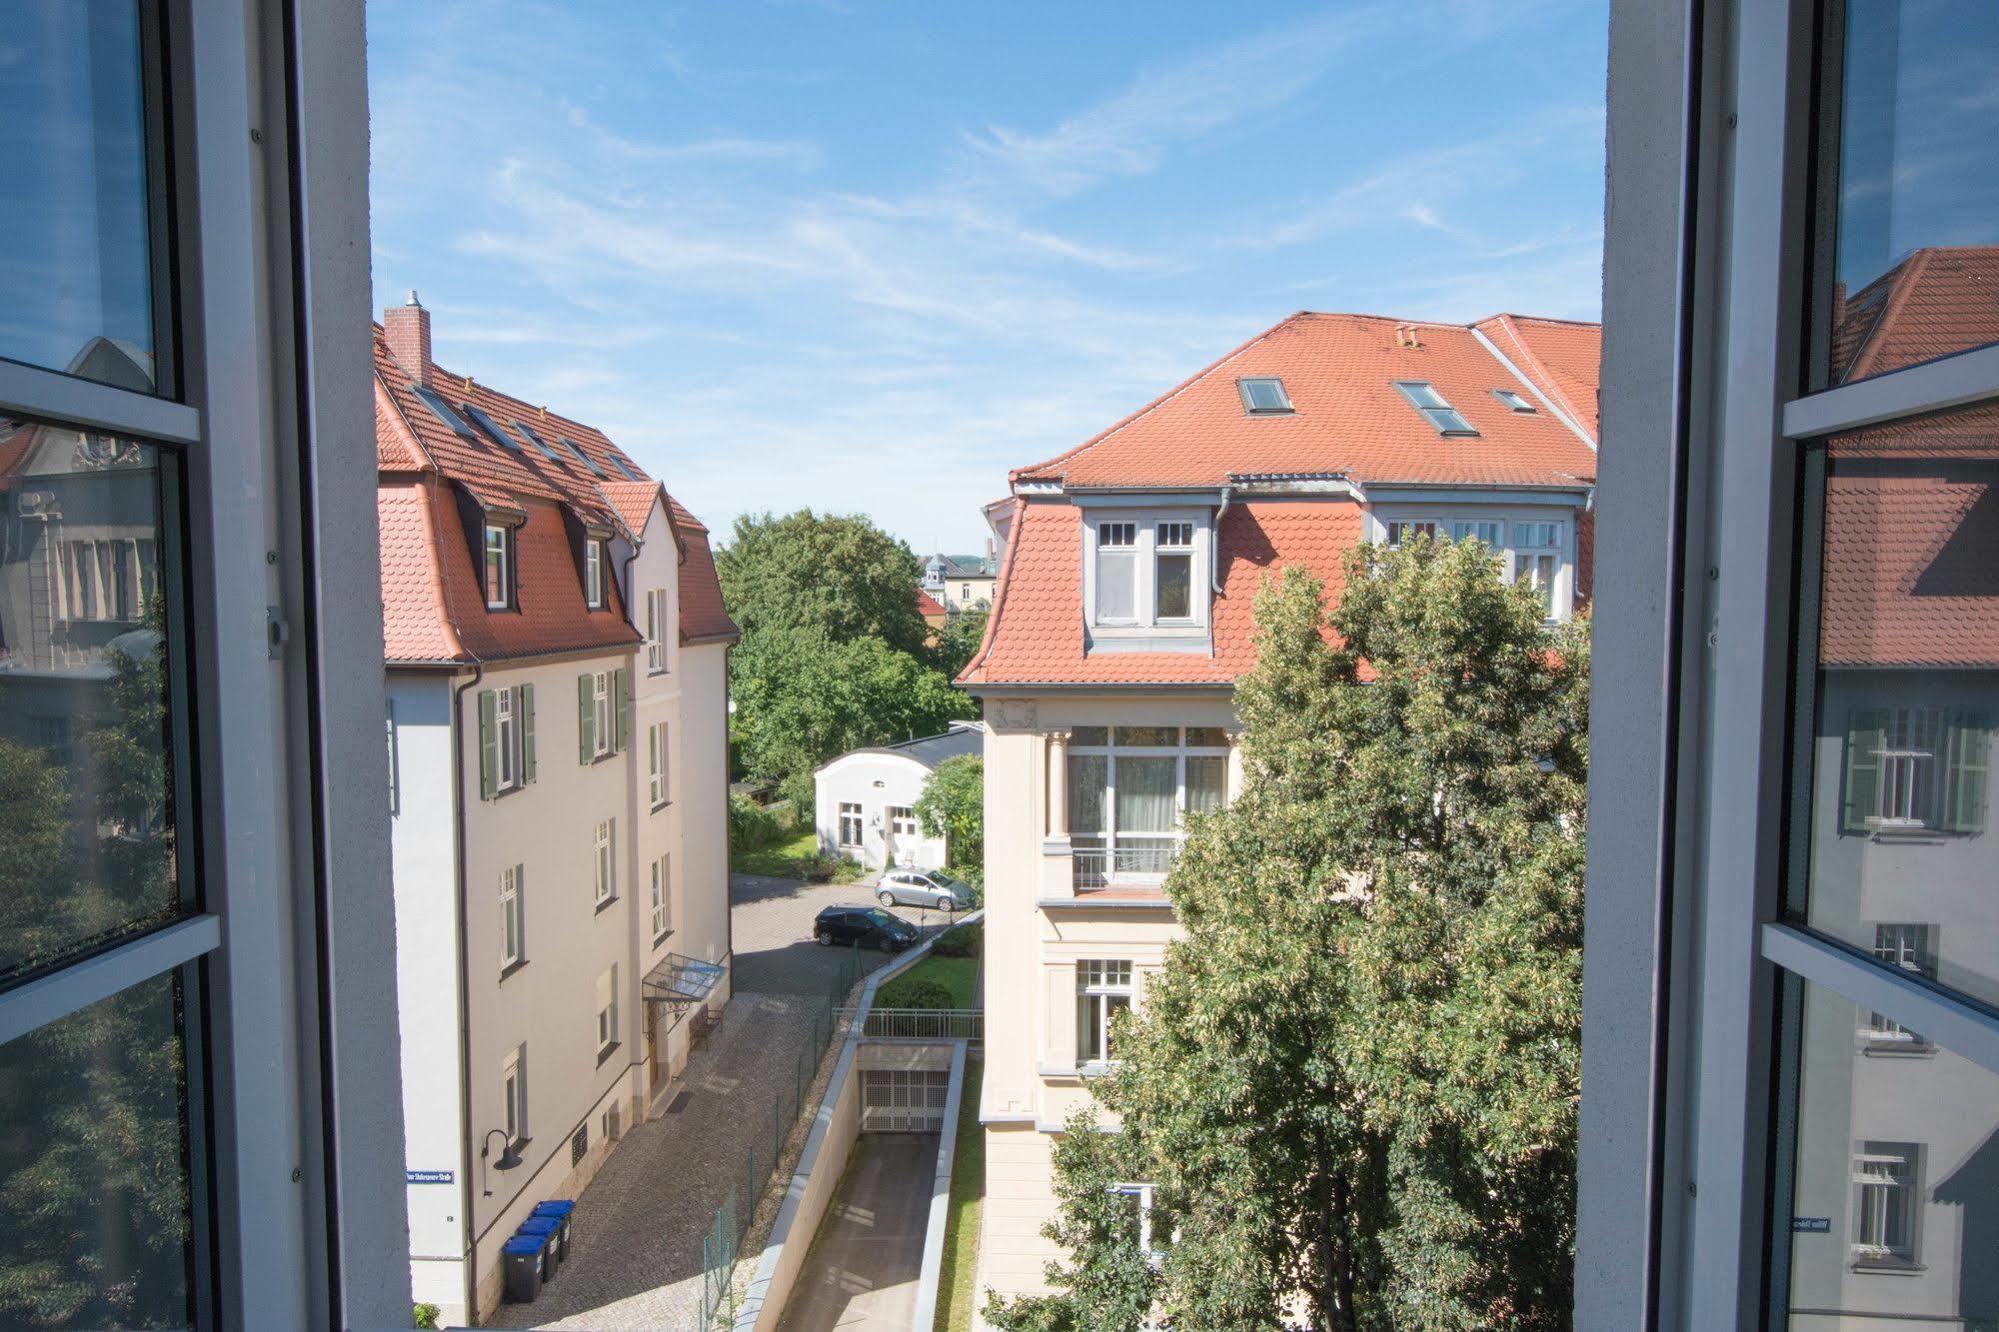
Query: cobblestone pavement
x=635, y=1239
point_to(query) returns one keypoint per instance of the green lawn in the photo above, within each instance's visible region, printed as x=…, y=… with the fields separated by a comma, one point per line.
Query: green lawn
x=779, y=860
x=955, y=974
x=968, y=1193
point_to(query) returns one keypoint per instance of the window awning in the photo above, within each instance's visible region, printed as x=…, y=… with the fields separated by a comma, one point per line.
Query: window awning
x=680, y=980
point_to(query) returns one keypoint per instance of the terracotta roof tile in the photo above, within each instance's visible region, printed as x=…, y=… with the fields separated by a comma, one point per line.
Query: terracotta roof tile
x=927, y=605
x=1909, y=578
x=632, y=501
x=1559, y=355
x=703, y=618
x=414, y=624
x=1935, y=302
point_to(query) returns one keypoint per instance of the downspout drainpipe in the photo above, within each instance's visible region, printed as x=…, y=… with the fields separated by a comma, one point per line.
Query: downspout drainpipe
x=464, y=988
x=1214, y=562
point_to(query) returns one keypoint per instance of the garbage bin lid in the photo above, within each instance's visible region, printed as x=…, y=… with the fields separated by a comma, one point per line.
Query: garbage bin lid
x=524, y=1244
x=555, y=1207
x=539, y=1225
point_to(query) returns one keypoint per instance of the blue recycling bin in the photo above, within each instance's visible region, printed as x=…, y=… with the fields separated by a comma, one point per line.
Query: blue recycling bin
x=551, y=1228
x=559, y=1208
x=525, y=1257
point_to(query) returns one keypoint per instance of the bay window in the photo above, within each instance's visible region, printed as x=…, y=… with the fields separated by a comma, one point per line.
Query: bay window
x=1130, y=789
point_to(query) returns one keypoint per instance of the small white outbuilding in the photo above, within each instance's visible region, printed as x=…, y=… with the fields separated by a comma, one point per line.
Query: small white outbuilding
x=865, y=800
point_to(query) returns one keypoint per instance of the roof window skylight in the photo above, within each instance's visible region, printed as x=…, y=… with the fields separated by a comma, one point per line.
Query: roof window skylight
x=1513, y=401
x=491, y=428
x=581, y=456
x=529, y=435
x=1263, y=397
x=442, y=411
x=618, y=462
x=1439, y=413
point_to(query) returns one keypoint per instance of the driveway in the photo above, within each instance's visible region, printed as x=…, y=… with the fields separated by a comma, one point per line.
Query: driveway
x=863, y=1269
x=635, y=1240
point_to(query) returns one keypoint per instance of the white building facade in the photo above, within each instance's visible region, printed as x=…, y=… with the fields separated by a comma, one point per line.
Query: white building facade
x=864, y=802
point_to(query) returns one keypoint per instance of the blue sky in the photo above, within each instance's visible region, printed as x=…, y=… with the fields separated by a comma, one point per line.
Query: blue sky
x=869, y=257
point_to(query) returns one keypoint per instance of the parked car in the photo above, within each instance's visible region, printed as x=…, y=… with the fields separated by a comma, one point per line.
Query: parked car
x=864, y=925
x=926, y=888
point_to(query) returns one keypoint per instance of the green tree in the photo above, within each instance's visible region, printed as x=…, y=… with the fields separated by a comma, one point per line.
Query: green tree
x=1354, y=1085
x=962, y=635
x=952, y=805
x=839, y=575
x=802, y=698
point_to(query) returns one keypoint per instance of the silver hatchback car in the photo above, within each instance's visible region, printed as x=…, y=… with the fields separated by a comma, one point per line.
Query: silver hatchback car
x=924, y=888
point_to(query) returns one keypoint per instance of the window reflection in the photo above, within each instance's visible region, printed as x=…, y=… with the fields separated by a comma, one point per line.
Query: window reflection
x=1905, y=697
x=93, y=1167
x=1894, y=1196
x=1914, y=271
x=76, y=246
x=85, y=815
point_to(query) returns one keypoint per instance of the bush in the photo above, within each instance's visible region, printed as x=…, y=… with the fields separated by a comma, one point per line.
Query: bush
x=848, y=870
x=818, y=869
x=960, y=941
x=424, y=1315
x=914, y=992
x=751, y=826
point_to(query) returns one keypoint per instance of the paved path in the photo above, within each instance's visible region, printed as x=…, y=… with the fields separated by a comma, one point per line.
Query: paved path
x=864, y=1268
x=635, y=1239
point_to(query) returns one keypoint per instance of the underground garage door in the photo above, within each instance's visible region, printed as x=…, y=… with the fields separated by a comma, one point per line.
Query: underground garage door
x=897, y=1100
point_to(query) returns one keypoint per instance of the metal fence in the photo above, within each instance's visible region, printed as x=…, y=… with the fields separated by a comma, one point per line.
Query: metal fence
x=921, y=1024
x=1096, y=866
x=722, y=1245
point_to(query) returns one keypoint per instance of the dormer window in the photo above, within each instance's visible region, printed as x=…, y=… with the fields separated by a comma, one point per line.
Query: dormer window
x=1146, y=572
x=1438, y=412
x=1264, y=397
x=593, y=573
x=499, y=566
x=1513, y=402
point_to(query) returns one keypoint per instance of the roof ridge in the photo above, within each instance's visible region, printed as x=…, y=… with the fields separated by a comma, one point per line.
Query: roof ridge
x=1543, y=377
x=1907, y=274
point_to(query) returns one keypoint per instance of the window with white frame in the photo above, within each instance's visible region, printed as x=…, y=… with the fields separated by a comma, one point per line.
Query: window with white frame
x=593, y=573
x=499, y=566
x=662, y=896
x=1912, y=948
x=902, y=823
x=1885, y=1176
x=1146, y=572
x=514, y=1095
x=1537, y=559
x=1138, y=1198
x=506, y=740
x=513, y=916
x=1404, y=531
x=1103, y=990
x=656, y=760
x=1130, y=790
x=606, y=863
x=607, y=1010
x=1490, y=533
x=850, y=824
x=656, y=631
x=600, y=702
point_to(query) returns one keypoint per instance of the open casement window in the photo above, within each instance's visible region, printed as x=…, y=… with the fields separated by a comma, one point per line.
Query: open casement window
x=514, y=1095
x=656, y=631
x=605, y=867
x=656, y=759
x=1885, y=1181
x=513, y=916
x=499, y=546
x=506, y=739
x=662, y=896
x=1435, y=409
x=1915, y=768
x=1103, y=990
x=1130, y=790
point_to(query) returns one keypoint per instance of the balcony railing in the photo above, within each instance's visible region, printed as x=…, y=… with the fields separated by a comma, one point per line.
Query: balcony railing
x=1129, y=860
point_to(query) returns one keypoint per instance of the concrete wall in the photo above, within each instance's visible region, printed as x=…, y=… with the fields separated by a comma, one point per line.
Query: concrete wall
x=876, y=782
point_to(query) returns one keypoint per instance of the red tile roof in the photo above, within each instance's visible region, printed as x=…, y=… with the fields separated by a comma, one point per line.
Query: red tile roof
x=703, y=618
x=435, y=484
x=926, y=605
x=1909, y=576
x=1340, y=372
x=1935, y=302
x=1349, y=422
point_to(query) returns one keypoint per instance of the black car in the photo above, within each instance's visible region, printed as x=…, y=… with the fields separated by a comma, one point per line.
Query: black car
x=863, y=925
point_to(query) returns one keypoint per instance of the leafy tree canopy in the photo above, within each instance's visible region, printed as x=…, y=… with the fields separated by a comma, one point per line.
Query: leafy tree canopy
x=1354, y=1085
x=952, y=805
x=838, y=575
x=962, y=635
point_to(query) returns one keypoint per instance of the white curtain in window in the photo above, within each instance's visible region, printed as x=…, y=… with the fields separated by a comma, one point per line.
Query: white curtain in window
x=1145, y=795
x=1206, y=780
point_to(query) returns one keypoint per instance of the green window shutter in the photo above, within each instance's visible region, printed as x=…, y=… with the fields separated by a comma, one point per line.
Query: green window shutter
x=586, y=721
x=1862, y=801
x=524, y=709
x=621, y=687
x=489, y=747
x=1970, y=760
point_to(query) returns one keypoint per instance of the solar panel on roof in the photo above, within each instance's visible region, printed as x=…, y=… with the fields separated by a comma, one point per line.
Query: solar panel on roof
x=491, y=427
x=442, y=411
x=581, y=456
x=529, y=435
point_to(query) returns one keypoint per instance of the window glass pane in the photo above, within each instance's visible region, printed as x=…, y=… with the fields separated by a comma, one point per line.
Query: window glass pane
x=86, y=819
x=94, y=1167
x=1089, y=735
x=1147, y=735
x=76, y=250
x=1895, y=724
x=1117, y=585
x=1088, y=774
x=1893, y=1178
x=1145, y=794
x=1207, y=779
x=1913, y=272
x=1176, y=587
x=1207, y=735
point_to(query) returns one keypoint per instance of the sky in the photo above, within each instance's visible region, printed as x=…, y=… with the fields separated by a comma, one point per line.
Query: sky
x=868, y=258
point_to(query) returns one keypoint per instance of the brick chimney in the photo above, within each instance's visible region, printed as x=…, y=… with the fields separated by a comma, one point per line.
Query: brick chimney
x=408, y=329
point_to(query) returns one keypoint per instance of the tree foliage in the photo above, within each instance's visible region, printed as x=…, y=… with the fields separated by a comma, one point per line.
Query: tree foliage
x=839, y=575
x=1355, y=1082
x=962, y=635
x=952, y=805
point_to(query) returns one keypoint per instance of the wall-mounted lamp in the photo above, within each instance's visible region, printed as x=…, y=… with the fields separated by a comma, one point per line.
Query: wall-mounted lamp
x=509, y=1158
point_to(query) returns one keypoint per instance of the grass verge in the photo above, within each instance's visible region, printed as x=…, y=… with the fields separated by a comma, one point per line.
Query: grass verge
x=779, y=860
x=956, y=974
x=968, y=1195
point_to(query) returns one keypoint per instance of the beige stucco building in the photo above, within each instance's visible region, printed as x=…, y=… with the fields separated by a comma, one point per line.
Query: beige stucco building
x=1123, y=617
